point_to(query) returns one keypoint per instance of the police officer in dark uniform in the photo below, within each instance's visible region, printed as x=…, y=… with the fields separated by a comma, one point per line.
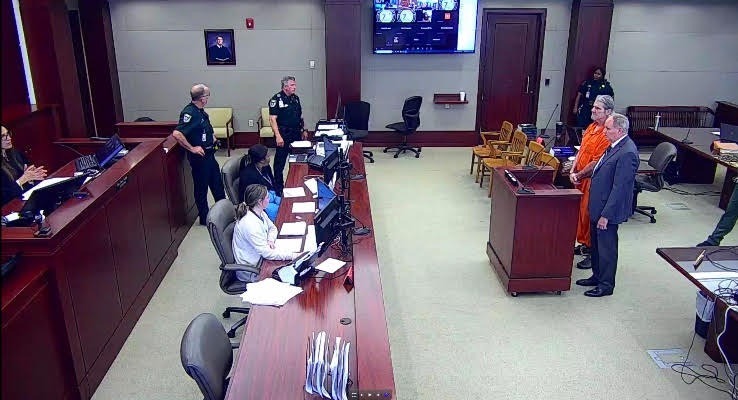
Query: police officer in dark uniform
x=285, y=118
x=587, y=93
x=195, y=134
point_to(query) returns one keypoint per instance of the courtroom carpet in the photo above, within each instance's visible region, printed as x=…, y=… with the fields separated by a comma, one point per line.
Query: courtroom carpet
x=454, y=332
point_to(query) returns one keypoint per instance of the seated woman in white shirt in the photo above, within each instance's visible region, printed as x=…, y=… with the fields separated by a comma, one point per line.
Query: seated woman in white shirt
x=255, y=234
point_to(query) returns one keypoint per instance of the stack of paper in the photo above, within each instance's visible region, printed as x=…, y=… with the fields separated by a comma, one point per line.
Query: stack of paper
x=293, y=228
x=293, y=192
x=330, y=265
x=318, y=369
x=301, y=144
x=270, y=292
x=290, y=245
x=303, y=207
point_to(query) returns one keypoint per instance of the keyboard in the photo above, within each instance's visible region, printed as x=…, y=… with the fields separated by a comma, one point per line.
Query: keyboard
x=86, y=162
x=315, y=160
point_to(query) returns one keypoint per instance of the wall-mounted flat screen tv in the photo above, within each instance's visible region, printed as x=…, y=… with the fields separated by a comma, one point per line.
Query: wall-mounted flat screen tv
x=424, y=26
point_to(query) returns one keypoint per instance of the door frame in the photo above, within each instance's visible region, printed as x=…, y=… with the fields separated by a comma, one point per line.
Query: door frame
x=541, y=14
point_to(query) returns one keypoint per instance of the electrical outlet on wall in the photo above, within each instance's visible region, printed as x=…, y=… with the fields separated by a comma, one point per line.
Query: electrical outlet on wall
x=251, y=123
x=312, y=64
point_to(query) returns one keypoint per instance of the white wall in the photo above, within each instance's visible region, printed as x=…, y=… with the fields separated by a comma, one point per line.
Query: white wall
x=161, y=53
x=387, y=79
x=674, y=52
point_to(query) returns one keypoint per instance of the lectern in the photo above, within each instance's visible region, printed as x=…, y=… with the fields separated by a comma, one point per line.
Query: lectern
x=532, y=232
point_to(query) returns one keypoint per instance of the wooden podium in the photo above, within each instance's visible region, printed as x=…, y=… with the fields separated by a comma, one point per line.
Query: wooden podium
x=532, y=235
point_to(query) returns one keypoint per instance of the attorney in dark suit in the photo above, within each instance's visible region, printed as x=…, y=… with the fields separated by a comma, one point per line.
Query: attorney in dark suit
x=258, y=171
x=610, y=204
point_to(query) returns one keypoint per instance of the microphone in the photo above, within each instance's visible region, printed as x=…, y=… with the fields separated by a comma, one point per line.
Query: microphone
x=101, y=138
x=699, y=260
x=71, y=148
x=685, y=141
x=545, y=130
x=523, y=188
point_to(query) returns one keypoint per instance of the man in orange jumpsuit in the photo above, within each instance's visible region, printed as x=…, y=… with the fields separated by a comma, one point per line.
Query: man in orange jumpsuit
x=594, y=144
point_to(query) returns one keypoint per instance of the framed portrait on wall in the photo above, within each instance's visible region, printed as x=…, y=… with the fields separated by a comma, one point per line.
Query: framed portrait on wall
x=220, y=47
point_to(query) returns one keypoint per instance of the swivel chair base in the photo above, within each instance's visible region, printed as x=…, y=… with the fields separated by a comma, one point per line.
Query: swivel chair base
x=369, y=155
x=647, y=211
x=404, y=147
x=227, y=314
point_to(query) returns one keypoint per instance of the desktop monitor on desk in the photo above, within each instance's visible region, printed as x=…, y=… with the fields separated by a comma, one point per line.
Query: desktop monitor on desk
x=326, y=224
x=728, y=133
x=330, y=165
x=325, y=193
x=49, y=198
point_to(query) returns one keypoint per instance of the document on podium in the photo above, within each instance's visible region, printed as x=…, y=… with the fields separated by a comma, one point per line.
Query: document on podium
x=293, y=228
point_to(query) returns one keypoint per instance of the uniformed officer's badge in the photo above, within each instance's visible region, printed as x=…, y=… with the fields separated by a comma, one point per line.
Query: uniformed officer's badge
x=186, y=118
x=272, y=103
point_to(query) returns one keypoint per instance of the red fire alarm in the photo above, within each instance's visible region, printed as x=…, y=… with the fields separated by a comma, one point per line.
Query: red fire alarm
x=249, y=23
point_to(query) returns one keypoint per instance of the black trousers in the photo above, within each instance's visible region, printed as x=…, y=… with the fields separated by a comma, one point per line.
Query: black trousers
x=205, y=174
x=604, y=255
x=289, y=135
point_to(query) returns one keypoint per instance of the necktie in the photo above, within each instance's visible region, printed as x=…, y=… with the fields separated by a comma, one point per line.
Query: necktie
x=602, y=158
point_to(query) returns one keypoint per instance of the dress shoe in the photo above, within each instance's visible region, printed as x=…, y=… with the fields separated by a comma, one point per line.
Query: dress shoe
x=587, y=282
x=586, y=263
x=581, y=250
x=597, y=292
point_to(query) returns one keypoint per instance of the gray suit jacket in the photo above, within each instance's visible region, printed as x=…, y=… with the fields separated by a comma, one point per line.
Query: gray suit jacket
x=611, y=190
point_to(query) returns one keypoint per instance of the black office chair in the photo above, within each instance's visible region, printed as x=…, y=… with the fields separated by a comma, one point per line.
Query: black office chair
x=221, y=221
x=144, y=119
x=653, y=181
x=356, y=117
x=230, y=172
x=207, y=355
x=410, y=123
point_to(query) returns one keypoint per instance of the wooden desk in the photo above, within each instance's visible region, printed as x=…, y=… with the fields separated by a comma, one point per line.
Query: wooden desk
x=271, y=360
x=696, y=162
x=681, y=258
x=72, y=301
x=160, y=129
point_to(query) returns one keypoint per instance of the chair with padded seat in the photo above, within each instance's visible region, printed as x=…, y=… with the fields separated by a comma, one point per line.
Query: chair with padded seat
x=356, y=118
x=652, y=180
x=408, y=126
x=230, y=172
x=265, y=128
x=144, y=119
x=206, y=354
x=221, y=118
x=221, y=222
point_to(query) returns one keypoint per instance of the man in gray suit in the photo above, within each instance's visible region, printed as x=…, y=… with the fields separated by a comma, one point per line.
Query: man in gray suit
x=610, y=203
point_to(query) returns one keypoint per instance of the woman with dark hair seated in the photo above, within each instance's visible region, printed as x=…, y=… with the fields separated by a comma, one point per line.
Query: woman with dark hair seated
x=255, y=234
x=258, y=171
x=17, y=175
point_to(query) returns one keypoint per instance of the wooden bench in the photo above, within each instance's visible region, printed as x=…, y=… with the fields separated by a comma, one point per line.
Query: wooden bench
x=643, y=118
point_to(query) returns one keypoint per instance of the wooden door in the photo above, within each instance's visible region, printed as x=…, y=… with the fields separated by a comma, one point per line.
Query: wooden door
x=510, y=66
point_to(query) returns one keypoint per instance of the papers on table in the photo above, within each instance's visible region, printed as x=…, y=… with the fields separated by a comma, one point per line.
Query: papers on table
x=270, y=292
x=293, y=228
x=310, y=242
x=312, y=185
x=301, y=144
x=44, y=183
x=303, y=207
x=330, y=265
x=716, y=133
x=293, y=192
x=12, y=217
x=291, y=245
x=330, y=132
x=317, y=367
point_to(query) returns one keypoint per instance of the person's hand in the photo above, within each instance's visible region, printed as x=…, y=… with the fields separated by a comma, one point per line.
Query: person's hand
x=198, y=150
x=32, y=173
x=573, y=178
x=602, y=223
x=271, y=244
x=304, y=134
x=574, y=110
x=280, y=141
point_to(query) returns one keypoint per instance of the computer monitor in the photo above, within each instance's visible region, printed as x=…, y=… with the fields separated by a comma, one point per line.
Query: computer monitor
x=49, y=198
x=728, y=133
x=326, y=221
x=330, y=165
x=329, y=146
x=109, y=150
x=325, y=194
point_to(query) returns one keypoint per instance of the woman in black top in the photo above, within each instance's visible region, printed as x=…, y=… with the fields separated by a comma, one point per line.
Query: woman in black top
x=17, y=175
x=258, y=171
x=587, y=93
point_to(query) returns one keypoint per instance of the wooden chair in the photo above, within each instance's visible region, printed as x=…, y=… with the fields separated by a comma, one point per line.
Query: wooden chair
x=534, y=151
x=504, y=158
x=551, y=161
x=483, y=150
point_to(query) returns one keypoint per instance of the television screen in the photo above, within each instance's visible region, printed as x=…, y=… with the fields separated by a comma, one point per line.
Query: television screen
x=424, y=26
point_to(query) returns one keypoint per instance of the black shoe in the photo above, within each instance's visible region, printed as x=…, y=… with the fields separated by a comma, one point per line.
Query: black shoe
x=581, y=250
x=598, y=292
x=203, y=222
x=586, y=263
x=706, y=243
x=587, y=282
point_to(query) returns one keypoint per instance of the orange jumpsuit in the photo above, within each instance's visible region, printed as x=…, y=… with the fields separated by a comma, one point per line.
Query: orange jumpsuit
x=594, y=145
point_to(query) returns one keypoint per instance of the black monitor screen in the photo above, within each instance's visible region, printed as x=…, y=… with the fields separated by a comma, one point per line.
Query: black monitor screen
x=325, y=224
x=109, y=150
x=325, y=194
x=48, y=199
x=330, y=164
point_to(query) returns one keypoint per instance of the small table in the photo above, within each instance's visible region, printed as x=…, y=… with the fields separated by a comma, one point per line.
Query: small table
x=706, y=278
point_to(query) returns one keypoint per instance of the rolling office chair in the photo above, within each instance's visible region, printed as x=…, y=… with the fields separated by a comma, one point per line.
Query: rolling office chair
x=207, y=355
x=230, y=172
x=653, y=180
x=356, y=118
x=410, y=123
x=144, y=119
x=221, y=222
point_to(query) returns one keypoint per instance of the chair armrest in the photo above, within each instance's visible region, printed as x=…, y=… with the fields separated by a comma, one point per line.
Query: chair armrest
x=241, y=267
x=511, y=153
x=488, y=136
x=259, y=123
x=498, y=142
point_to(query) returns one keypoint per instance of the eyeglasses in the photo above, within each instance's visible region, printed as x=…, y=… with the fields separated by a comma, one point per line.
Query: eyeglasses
x=7, y=135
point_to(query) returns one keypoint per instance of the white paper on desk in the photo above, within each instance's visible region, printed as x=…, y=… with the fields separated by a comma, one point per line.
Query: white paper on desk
x=310, y=241
x=12, y=216
x=714, y=275
x=309, y=364
x=323, y=367
x=301, y=144
x=293, y=228
x=303, y=207
x=312, y=185
x=270, y=292
x=316, y=362
x=334, y=370
x=330, y=265
x=290, y=245
x=717, y=133
x=345, y=371
x=327, y=127
x=293, y=192
x=44, y=183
